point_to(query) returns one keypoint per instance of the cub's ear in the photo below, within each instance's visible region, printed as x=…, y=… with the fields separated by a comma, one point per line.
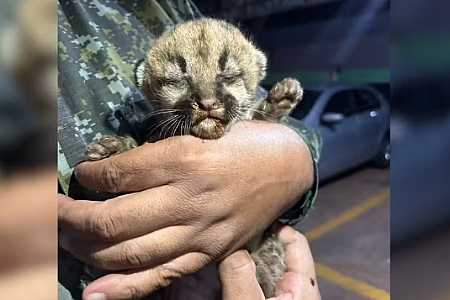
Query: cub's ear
x=139, y=71
x=261, y=61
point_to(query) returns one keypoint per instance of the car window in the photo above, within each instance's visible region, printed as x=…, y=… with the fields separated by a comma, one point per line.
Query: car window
x=366, y=101
x=341, y=102
x=309, y=99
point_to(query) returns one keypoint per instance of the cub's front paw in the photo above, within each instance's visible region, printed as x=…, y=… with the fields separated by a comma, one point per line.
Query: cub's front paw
x=108, y=145
x=283, y=98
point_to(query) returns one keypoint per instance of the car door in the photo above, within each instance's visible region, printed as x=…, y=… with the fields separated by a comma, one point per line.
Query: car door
x=369, y=120
x=341, y=138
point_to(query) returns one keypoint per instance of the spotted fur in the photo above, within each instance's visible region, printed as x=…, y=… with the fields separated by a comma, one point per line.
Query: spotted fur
x=201, y=61
x=201, y=77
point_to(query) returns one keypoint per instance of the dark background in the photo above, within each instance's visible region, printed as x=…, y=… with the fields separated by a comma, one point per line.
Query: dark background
x=318, y=42
x=405, y=45
x=314, y=39
x=355, y=40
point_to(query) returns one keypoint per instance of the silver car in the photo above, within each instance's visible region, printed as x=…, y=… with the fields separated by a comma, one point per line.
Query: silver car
x=353, y=122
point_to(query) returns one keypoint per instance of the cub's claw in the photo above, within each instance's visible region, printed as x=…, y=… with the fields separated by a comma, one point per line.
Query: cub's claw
x=284, y=96
x=288, y=89
x=282, y=99
x=108, y=145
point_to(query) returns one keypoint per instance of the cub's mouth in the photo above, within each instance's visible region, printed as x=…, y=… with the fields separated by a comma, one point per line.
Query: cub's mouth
x=208, y=124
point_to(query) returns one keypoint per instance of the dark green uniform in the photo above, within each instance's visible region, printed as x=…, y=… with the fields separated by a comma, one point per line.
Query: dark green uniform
x=100, y=42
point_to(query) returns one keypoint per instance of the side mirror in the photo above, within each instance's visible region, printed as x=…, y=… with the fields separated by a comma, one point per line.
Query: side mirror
x=332, y=118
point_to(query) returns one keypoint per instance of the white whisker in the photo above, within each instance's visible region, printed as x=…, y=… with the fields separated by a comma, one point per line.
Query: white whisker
x=173, y=123
x=177, y=125
x=161, y=123
x=162, y=112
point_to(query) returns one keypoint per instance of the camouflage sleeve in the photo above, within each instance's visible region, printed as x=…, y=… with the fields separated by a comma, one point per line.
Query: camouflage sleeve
x=99, y=43
x=314, y=143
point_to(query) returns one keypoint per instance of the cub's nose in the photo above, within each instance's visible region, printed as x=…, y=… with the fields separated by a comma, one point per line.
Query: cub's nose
x=208, y=104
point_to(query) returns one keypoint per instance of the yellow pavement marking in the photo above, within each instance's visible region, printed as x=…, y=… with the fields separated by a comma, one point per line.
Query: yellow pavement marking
x=333, y=276
x=359, y=287
x=348, y=215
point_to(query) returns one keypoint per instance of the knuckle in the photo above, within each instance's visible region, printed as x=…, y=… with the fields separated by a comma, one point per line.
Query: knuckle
x=130, y=256
x=217, y=242
x=299, y=239
x=104, y=226
x=133, y=292
x=166, y=274
x=112, y=177
x=242, y=261
x=81, y=172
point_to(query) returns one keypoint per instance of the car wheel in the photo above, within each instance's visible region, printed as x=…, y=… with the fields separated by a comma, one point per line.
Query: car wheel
x=383, y=157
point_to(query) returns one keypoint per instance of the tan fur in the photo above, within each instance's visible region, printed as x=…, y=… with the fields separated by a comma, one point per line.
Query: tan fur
x=201, y=44
x=211, y=36
x=210, y=62
x=270, y=263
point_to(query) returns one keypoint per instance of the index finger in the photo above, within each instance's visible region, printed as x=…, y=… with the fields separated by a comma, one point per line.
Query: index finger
x=144, y=167
x=120, y=218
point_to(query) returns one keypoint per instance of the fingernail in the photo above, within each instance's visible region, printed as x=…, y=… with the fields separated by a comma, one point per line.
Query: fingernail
x=240, y=259
x=96, y=296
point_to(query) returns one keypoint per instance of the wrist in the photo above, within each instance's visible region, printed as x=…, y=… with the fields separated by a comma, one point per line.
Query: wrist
x=289, y=157
x=308, y=185
x=302, y=165
x=293, y=164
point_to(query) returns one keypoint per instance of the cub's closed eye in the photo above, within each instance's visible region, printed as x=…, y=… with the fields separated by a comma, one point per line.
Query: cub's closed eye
x=231, y=78
x=173, y=82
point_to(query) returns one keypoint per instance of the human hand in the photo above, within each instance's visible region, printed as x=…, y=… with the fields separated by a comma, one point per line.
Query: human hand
x=238, y=278
x=191, y=202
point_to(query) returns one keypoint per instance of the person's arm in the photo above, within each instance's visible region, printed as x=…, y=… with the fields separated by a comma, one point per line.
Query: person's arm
x=190, y=202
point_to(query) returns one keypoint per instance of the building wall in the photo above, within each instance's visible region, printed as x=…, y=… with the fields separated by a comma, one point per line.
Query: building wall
x=347, y=40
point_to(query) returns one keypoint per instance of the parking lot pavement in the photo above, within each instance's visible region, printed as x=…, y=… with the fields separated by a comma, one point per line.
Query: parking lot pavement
x=349, y=236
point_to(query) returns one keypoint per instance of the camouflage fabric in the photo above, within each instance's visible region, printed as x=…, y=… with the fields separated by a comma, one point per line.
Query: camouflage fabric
x=99, y=43
x=314, y=142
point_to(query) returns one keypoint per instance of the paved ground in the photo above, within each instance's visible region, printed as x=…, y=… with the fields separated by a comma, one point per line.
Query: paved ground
x=349, y=236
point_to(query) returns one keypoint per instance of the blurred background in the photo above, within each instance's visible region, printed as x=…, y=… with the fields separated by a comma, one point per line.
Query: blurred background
x=345, y=53
x=420, y=210
x=340, y=52
x=28, y=149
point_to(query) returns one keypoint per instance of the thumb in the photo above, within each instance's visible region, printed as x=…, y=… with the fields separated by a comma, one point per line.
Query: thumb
x=238, y=277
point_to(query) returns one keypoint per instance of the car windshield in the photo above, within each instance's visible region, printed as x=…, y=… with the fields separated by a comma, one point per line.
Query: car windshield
x=304, y=107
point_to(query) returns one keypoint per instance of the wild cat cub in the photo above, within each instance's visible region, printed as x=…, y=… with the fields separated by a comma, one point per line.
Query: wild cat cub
x=201, y=77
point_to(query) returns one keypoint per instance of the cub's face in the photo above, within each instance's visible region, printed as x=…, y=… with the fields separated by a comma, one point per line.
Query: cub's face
x=201, y=76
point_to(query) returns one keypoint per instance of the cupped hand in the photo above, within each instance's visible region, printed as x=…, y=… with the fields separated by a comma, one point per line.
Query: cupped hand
x=189, y=202
x=238, y=278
